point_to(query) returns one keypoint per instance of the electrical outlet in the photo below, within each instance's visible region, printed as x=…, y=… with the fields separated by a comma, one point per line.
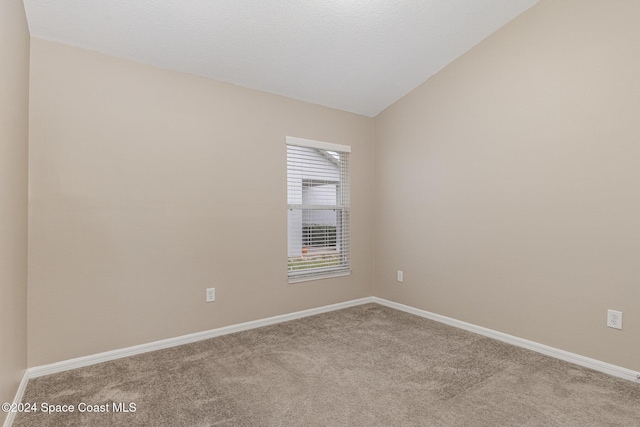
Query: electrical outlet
x=211, y=294
x=614, y=319
x=400, y=276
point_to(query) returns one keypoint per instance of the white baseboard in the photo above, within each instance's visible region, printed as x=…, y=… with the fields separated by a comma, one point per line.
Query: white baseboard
x=80, y=362
x=8, y=421
x=577, y=359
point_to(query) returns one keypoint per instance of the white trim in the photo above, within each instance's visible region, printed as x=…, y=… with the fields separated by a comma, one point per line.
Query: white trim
x=321, y=145
x=330, y=274
x=80, y=362
x=596, y=365
x=8, y=421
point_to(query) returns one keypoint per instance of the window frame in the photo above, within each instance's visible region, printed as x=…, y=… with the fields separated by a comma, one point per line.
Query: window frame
x=342, y=204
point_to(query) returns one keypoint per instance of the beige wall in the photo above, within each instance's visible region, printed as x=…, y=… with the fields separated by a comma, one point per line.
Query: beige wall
x=506, y=186
x=14, y=103
x=148, y=186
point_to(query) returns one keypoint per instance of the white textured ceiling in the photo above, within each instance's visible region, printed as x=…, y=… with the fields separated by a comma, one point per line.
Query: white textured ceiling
x=354, y=55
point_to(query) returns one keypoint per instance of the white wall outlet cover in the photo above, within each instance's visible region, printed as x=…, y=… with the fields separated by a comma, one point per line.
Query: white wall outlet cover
x=400, y=276
x=614, y=319
x=211, y=294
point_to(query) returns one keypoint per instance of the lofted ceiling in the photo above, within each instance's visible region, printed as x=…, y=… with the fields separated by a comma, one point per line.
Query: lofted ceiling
x=354, y=55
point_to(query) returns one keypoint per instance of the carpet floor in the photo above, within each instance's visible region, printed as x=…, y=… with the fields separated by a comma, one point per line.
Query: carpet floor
x=362, y=366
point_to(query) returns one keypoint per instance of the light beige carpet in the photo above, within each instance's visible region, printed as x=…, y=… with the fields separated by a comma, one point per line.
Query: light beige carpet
x=362, y=366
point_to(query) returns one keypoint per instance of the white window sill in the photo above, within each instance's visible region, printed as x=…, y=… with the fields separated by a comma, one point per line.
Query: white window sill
x=328, y=275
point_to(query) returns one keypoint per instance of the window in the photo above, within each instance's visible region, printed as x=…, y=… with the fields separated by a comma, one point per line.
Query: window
x=318, y=209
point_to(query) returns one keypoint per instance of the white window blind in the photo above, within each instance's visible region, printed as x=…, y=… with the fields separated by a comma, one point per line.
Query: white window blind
x=318, y=209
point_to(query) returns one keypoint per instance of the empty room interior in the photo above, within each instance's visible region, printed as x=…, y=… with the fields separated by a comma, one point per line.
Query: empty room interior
x=320, y=213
